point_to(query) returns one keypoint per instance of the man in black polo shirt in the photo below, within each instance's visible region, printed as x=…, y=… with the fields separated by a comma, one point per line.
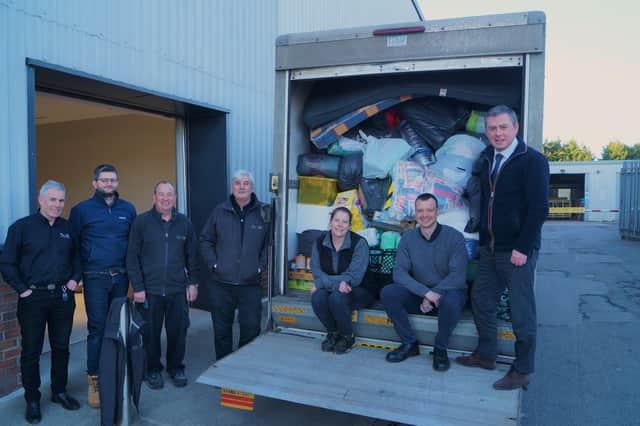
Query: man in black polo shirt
x=40, y=262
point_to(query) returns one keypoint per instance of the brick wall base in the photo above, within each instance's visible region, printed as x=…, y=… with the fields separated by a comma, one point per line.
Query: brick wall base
x=9, y=341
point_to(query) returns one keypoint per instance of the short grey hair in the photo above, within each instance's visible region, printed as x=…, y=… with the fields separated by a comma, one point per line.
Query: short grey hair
x=51, y=184
x=164, y=182
x=240, y=173
x=503, y=109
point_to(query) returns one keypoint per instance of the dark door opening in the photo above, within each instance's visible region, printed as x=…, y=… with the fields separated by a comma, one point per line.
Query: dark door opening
x=566, y=196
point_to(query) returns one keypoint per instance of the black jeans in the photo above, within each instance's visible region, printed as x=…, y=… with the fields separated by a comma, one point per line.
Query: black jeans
x=226, y=298
x=333, y=309
x=173, y=311
x=398, y=302
x=45, y=309
x=99, y=290
x=495, y=272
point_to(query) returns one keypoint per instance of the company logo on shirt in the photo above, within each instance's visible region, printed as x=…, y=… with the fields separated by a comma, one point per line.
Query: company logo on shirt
x=122, y=218
x=65, y=236
x=181, y=237
x=259, y=227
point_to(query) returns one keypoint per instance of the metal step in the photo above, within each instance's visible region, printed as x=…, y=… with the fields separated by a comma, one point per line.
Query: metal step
x=296, y=312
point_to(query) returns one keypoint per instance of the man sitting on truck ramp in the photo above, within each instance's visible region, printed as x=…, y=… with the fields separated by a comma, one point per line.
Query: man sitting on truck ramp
x=515, y=202
x=429, y=277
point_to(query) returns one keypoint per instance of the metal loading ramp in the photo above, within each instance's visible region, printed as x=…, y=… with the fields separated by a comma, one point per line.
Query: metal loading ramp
x=293, y=368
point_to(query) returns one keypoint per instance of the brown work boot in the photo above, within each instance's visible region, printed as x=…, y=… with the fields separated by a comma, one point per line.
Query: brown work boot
x=93, y=394
x=474, y=360
x=513, y=380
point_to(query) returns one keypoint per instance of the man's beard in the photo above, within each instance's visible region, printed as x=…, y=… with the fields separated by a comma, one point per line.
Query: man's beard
x=104, y=194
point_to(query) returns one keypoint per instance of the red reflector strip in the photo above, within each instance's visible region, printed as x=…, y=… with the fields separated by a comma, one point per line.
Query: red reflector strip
x=405, y=30
x=234, y=399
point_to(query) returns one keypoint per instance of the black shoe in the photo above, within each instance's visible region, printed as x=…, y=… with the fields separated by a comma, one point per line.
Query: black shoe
x=329, y=343
x=179, y=379
x=440, y=360
x=154, y=380
x=403, y=352
x=67, y=401
x=344, y=344
x=32, y=413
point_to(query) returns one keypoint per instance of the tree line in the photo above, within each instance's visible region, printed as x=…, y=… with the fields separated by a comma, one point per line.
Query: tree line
x=556, y=150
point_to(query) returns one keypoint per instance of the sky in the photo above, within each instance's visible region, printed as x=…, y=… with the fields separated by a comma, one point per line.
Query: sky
x=592, y=76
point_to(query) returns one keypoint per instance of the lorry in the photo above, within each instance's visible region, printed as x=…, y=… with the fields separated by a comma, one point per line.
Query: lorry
x=473, y=59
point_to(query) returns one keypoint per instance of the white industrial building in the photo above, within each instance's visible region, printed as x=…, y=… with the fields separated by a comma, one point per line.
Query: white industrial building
x=594, y=185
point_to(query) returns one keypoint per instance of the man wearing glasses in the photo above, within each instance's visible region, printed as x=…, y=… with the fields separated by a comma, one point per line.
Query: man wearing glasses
x=102, y=224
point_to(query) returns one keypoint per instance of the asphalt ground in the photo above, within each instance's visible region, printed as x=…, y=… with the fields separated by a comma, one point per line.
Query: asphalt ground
x=588, y=355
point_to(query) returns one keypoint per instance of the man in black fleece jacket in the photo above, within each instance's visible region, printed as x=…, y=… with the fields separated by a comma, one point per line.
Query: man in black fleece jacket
x=515, y=202
x=161, y=261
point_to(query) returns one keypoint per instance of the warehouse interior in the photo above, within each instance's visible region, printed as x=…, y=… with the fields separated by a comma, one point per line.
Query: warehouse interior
x=566, y=196
x=75, y=135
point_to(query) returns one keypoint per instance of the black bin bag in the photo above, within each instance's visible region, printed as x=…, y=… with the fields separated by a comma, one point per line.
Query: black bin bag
x=318, y=165
x=350, y=172
x=374, y=192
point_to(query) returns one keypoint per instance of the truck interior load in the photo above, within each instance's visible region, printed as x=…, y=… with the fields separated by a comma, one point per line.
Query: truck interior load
x=368, y=123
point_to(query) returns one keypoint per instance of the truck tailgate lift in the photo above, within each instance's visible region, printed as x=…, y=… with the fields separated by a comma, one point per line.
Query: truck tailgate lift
x=293, y=368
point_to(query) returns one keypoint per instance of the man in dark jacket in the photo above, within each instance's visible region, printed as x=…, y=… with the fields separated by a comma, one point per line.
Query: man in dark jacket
x=233, y=244
x=515, y=199
x=102, y=223
x=41, y=263
x=161, y=261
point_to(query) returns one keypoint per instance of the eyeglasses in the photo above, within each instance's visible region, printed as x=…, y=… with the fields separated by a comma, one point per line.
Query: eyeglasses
x=107, y=180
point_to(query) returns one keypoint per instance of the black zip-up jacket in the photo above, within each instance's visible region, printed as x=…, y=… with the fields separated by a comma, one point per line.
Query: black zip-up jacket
x=36, y=253
x=234, y=245
x=162, y=256
x=517, y=204
x=103, y=231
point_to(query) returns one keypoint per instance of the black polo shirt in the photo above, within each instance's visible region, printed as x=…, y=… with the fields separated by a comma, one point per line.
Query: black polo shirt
x=37, y=253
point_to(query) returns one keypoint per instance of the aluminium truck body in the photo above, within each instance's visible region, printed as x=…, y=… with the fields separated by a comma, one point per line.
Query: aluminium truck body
x=286, y=363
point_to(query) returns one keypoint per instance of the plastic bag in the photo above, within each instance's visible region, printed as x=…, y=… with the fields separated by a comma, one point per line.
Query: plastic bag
x=318, y=165
x=371, y=235
x=349, y=199
x=381, y=154
x=350, y=172
x=408, y=183
x=374, y=193
x=435, y=119
x=456, y=157
x=346, y=146
x=457, y=218
x=449, y=195
x=477, y=122
x=422, y=152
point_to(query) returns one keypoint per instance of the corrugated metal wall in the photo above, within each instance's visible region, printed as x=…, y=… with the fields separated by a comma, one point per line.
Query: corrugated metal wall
x=313, y=15
x=630, y=200
x=215, y=52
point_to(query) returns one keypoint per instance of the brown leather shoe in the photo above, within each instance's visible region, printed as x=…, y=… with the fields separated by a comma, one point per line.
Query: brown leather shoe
x=474, y=360
x=513, y=380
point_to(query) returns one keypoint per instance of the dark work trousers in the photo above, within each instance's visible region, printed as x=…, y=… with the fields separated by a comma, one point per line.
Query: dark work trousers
x=226, y=298
x=99, y=290
x=495, y=271
x=399, y=302
x=173, y=311
x=45, y=309
x=333, y=308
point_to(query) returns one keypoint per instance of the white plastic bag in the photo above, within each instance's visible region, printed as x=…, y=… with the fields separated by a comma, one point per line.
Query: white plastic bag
x=380, y=155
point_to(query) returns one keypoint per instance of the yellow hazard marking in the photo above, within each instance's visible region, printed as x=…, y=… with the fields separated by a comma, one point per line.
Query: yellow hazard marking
x=506, y=335
x=376, y=345
x=377, y=320
x=288, y=319
x=234, y=392
x=288, y=309
x=575, y=210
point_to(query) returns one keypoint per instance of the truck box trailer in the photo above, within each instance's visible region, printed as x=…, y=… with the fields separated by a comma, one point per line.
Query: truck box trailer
x=482, y=60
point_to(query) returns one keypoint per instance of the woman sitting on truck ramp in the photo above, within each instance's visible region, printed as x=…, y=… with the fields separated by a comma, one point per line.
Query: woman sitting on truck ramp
x=339, y=261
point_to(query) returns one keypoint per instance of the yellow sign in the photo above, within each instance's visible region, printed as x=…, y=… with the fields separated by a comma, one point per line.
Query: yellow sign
x=288, y=319
x=377, y=320
x=506, y=335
